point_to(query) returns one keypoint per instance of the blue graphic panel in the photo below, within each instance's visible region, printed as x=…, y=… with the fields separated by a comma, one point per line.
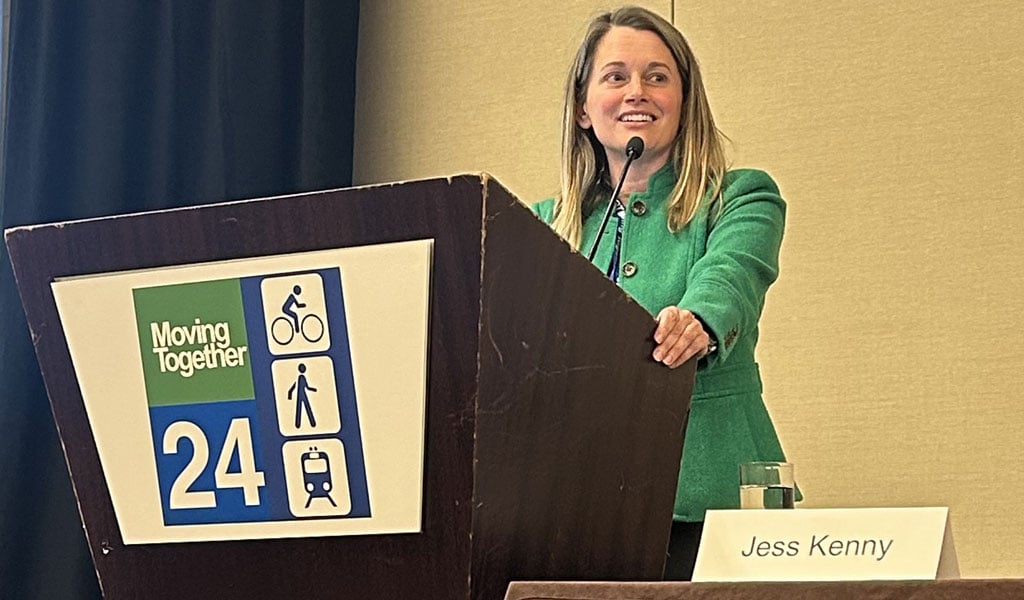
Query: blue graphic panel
x=305, y=392
x=187, y=428
x=294, y=451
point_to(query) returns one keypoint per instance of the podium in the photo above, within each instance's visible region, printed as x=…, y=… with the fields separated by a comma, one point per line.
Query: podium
x=551, y=440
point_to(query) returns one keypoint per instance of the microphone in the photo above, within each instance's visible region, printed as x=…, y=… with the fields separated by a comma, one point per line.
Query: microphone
x=634, y=148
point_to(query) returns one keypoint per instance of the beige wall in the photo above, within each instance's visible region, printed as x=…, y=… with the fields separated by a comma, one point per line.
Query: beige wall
x=456, y=86
x=892, y=349
x=892, y=346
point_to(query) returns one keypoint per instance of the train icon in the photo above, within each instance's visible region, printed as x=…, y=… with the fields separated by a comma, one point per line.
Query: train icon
x=316, y=475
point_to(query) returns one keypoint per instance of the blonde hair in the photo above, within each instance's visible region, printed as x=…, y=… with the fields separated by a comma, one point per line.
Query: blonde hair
x=698, y=155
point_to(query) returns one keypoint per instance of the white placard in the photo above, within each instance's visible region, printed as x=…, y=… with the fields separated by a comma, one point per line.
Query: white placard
x=838, y=544
x=281, y=396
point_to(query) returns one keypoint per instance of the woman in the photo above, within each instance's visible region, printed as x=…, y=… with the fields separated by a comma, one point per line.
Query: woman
x=694, y=243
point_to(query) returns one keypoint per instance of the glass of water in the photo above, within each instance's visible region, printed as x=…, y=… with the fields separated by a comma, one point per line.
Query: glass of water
x=766, y=484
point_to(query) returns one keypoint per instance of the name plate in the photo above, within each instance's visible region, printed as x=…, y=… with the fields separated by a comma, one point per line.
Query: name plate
x=836, y=544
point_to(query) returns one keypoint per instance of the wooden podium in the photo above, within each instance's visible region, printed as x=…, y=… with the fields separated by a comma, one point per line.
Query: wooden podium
x=552, y=440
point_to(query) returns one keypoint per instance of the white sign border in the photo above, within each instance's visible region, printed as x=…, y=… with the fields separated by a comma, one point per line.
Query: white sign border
x=387, y=302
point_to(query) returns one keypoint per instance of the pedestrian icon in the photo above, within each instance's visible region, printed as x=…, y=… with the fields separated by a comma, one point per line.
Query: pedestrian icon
x=301, y=389
x=316, y=477
x=306, y=396
x=295, y=314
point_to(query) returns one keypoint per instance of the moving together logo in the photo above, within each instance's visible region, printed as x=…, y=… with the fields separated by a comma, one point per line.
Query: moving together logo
x=251, y=399
x=194, y=342
x=216, y=351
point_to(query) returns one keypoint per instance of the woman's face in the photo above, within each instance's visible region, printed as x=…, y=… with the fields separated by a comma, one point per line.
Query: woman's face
x=634, y=90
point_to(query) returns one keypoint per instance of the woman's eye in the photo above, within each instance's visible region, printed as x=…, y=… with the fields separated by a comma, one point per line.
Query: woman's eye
x=658, y=78
x=615, y=77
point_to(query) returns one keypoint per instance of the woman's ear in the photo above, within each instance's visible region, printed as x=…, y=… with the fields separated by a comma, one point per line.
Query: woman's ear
x=583, y=119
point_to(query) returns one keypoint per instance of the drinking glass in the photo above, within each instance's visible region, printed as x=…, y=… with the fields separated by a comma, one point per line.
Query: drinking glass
x=766, y=484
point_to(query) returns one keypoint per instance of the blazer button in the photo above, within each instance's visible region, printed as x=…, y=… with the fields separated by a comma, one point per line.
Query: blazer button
x=638, y=208
x=629, y=269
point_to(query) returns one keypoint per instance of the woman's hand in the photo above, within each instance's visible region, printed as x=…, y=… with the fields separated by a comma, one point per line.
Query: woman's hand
x=679, y=337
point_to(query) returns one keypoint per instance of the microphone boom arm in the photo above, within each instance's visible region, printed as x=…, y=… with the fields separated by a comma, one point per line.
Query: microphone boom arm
x=634, y=148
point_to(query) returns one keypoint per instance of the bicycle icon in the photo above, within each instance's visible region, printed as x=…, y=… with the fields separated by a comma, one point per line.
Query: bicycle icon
x=311, y=328
x=285, y=327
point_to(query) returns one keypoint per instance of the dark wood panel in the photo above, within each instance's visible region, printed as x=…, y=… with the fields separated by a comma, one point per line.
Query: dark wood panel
x=579, y=430
x=433, y=564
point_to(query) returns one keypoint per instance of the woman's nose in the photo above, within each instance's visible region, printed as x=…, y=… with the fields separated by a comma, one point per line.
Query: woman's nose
x=635, y=90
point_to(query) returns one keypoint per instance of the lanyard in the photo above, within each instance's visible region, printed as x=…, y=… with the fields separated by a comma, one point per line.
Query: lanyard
x=613, y=267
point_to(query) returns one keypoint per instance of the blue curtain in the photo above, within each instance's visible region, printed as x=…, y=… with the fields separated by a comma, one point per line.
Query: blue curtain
x=125, y=105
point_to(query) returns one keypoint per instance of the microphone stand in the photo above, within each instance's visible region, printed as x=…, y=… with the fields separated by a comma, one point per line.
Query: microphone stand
x=634, y=149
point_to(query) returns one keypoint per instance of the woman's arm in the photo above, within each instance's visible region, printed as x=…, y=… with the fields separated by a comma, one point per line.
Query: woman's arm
x=726, y=286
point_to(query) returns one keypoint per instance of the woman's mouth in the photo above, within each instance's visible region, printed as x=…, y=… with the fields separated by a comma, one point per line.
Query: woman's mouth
x=636, y=118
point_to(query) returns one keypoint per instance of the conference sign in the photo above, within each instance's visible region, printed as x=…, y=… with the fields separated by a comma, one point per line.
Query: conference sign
x=271, y=397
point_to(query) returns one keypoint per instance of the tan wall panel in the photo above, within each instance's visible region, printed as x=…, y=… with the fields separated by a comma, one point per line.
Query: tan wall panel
x=457, y=86
x=892, y=346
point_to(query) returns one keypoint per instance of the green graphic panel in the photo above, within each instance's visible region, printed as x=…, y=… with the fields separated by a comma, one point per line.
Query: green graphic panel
x=194, y=343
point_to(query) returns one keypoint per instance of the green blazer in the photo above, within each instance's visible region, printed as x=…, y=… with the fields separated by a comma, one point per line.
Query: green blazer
x=719, y=267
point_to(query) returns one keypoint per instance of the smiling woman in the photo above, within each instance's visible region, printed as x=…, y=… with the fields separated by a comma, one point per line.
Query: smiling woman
x=698, y=245
x=635, y=89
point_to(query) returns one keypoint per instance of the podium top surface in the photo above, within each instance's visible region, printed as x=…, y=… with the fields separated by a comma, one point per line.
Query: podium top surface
x=974, y=589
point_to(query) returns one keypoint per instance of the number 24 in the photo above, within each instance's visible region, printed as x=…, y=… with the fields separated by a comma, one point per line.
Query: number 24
x=239, y=437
